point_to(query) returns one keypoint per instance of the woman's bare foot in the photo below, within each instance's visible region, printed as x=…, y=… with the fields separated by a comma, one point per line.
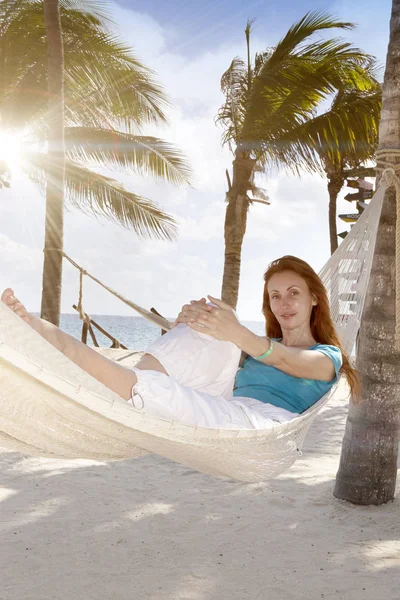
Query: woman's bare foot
x=16, y=306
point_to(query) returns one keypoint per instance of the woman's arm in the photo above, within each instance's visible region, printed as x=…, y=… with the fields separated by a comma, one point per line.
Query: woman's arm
x=222, y=323
x=307, y=364
x=116, y=377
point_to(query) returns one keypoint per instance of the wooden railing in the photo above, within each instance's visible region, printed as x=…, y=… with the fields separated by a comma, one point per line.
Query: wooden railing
x=88, y=323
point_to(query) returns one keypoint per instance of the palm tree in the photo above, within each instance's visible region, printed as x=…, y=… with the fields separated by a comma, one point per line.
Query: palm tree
x=344, y=138
x=109, y=97
x=337, y=173
x=54, y=226
x=368, y=464
x=266, y=107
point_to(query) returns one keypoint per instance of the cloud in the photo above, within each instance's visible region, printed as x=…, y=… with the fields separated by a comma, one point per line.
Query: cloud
x=21, y=269
x=21, y=257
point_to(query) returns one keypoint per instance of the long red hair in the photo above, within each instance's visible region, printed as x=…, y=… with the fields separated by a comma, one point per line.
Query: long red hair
x=322, y=327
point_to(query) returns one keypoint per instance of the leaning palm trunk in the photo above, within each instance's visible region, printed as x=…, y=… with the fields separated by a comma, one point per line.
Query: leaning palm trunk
x=52, y=266
x=235, y=225
x=334, y=187
x=368, y=466
x=334, y=173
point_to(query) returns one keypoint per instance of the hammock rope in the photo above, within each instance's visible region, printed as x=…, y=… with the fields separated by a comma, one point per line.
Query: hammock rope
x=150, y=316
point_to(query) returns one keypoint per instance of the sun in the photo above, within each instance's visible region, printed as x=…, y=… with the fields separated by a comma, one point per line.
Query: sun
x=10, y=149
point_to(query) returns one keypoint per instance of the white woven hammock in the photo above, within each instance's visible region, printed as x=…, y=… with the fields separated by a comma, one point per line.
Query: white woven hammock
x=50, y=407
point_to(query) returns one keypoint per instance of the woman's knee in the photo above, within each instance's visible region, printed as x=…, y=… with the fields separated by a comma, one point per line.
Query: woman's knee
x=150, y=363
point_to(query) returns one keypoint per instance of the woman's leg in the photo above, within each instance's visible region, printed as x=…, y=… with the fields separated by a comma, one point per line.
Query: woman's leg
x=116, y=377
x=163, y=397
x=208, y=364
x=195, y=360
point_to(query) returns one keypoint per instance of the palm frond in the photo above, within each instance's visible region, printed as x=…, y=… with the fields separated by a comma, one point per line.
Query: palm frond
x=260, y=59
x=93, y=193
x=294, y=91
x=289, y=82
x=258, y=195
x=311, y=23
x=346, y=133
x=22, y=72
x=105, y=84
x=110, y=78
x=231, y=115
x=95, y=8
x=143, y=154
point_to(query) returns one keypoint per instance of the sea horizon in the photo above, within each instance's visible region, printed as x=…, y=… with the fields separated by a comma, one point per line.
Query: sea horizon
x=134, y=332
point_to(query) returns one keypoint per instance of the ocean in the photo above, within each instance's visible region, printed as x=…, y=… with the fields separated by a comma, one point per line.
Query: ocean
x=133, y=332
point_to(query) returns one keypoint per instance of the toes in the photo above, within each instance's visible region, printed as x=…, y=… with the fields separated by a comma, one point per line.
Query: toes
x=13, y=303
x=18, y=306
x=8, y=293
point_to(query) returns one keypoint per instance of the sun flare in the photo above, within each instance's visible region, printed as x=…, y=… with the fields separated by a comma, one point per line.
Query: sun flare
x=10, y=149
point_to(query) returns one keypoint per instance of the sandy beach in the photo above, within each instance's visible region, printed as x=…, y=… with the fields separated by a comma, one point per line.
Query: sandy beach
x=152, y=529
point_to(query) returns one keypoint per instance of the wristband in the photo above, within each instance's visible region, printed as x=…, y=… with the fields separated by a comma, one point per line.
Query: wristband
x=267, y=353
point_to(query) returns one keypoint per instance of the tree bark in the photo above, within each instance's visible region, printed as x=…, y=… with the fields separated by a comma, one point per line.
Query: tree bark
x=335, y=184
x=368, y=465
x=235, y=226
x=54, y=224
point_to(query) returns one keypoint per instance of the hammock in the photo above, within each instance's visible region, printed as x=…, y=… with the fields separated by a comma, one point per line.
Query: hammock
x=50, y=407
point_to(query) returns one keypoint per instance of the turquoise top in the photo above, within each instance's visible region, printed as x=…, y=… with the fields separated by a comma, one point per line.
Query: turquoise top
x=268, y=384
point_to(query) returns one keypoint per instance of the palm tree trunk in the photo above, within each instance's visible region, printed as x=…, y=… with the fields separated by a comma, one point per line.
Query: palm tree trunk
x=334, y=172
x=334, y=187
x=52, y=266
x=235, y=226
x=368, y=465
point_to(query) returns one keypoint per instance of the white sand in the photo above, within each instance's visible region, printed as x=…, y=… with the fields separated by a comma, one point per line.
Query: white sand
x=150, y=529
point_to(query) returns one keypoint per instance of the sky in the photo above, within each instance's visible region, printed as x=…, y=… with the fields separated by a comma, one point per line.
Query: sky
x=188, y=45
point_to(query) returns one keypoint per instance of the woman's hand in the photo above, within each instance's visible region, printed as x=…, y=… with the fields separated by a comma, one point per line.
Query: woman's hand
x=16, y=306
x=219, y=321
x=191, y=312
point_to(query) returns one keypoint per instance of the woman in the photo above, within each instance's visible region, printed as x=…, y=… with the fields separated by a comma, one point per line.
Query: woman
x=191, y=373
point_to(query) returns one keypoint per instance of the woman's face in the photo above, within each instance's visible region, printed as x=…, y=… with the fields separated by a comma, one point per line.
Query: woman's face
x=290, y=300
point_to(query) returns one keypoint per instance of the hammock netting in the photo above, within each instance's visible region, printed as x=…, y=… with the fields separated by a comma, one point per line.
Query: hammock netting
x=50, y=407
